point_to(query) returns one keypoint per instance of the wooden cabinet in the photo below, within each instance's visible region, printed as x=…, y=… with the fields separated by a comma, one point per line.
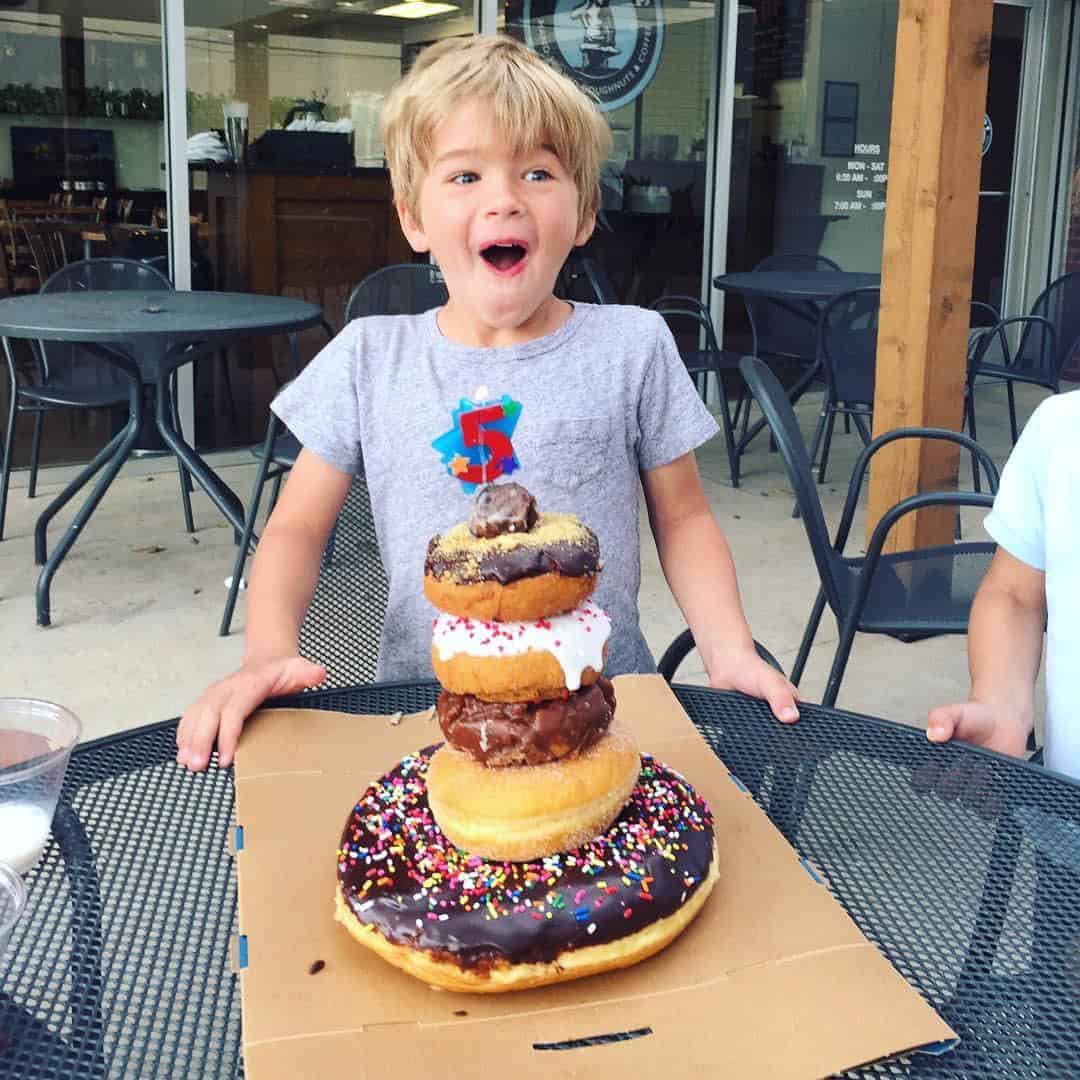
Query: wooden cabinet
x=307, y=236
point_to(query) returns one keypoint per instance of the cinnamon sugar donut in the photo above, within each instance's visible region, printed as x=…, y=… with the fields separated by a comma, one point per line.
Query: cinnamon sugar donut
x=464, y=923
x=520, y=661
x=523, y=812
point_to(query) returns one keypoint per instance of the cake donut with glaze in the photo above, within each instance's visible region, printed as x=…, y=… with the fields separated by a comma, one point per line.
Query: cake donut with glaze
x=509, y=563
x=463, y=922
x=520, y=661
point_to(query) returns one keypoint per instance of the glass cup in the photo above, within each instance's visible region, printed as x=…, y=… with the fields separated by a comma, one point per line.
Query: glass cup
x=235, y=115
x=36, y=739
x=12, y=903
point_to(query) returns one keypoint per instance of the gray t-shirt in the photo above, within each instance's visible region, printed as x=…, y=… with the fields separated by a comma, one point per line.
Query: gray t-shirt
x=584, y=408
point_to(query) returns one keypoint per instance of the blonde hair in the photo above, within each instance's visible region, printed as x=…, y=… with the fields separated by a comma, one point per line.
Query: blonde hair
x=534, y=105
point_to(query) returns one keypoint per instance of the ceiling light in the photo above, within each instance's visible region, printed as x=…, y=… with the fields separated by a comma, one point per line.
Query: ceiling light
x=415, y=9
x=301, y=15
x=261, y=26
x=345, y=3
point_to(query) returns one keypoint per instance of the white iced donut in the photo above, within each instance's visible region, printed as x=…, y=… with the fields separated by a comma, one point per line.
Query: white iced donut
x=521, y=661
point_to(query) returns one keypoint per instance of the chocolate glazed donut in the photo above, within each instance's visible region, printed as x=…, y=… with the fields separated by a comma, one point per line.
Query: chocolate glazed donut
x=526, y=733
x=466, y=923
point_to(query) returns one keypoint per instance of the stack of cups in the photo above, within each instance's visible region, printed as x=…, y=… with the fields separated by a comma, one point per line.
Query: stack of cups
x=36, y=739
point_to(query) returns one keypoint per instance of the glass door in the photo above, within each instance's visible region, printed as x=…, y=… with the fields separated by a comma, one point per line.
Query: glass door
x=651, y=65
x=81, y=152
x=1008, y=150
x=288, y=188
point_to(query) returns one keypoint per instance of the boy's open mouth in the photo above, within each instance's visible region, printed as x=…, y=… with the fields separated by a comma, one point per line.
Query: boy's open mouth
x=503, y=256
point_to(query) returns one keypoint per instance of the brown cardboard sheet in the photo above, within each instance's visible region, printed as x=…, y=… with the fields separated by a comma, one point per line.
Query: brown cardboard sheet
x=772, y=979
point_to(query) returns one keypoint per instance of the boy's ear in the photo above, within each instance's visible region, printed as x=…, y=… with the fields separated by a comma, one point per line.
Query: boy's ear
x=412, y=228
x=586, y=229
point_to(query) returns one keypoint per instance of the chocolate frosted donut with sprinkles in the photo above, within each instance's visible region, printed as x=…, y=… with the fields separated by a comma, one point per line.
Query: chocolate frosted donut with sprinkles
x=462, y=922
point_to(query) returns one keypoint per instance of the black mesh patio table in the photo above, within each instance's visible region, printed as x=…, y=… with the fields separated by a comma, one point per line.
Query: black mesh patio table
x=957, y=864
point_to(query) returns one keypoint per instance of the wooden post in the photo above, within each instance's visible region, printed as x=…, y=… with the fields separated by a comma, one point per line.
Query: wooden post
x=939, y=100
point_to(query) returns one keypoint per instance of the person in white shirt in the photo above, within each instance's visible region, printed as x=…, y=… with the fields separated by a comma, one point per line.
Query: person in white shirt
x=1033, y=583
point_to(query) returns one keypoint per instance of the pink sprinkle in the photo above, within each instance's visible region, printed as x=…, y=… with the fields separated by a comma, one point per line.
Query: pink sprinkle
x=579, y=896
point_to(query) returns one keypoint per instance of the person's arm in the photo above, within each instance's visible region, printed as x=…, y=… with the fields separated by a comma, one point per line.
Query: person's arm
x=282, y=581
x=697, y=564
x=1005, y=635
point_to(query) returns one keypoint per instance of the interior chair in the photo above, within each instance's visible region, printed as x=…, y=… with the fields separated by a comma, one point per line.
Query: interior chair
x=400, y=289
x=1048, y=337
x=692, y=327
x=59, y=375
x=27, y=260
x=905, y=595
x=847, y=350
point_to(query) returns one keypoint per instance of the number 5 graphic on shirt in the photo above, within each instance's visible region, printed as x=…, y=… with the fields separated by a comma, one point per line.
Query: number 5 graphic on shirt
x=479, y=447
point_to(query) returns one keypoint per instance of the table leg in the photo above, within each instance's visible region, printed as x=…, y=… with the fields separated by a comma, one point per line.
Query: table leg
x=223, y=497
x=111, y=459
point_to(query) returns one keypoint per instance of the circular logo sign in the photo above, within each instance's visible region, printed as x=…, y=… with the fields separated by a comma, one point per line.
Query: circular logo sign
x=610, y=47
x=988, y=134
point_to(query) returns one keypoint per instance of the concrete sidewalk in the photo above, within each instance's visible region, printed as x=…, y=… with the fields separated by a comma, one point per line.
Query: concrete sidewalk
x=136, y=605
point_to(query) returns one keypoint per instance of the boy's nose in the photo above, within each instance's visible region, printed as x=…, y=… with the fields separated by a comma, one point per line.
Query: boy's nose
x=504, y=202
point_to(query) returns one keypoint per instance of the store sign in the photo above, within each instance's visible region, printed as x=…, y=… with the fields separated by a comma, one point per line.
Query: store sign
x=988, y=134
x=610, y=47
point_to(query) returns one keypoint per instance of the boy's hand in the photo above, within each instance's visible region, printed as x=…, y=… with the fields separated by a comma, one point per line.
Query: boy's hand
x=979, y=724
x=749, y=674
x=222, y=709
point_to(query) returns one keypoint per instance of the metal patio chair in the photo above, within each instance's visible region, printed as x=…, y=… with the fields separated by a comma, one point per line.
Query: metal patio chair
x=61, y=376
x=400, y=289
x=847, y=349
x=583, y=278
x=684, y=644
x=692, y=327
x=906, y=595
x=1049, y=337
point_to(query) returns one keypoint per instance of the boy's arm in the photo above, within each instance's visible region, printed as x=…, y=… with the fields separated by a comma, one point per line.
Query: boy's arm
x=1005, y=636
x=697, y=563
x=282, y=581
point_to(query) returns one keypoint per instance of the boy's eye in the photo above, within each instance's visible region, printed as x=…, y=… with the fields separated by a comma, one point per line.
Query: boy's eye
x=538, y=174
x=464, y=178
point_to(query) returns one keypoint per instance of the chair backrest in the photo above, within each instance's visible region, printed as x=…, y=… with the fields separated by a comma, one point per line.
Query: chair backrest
x=689, y=320
x=1059, y=304
x=61, y=360
x=106, y=273
x=400, y=289
x=584, y=278
x=343, y=625
x=796, y=260
x=780, y=416
x=847, y=345
x=782, y=329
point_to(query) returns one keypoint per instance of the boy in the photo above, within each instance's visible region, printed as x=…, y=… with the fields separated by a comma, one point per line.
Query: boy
x=495, y=160
x=1033, y=583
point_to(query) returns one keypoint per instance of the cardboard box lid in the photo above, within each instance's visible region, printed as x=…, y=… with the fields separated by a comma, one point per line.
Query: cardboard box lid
x=772, y=979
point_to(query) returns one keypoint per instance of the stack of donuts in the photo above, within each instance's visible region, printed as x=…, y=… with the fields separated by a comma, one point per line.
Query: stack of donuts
x=536, y=844
x=533, y=762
